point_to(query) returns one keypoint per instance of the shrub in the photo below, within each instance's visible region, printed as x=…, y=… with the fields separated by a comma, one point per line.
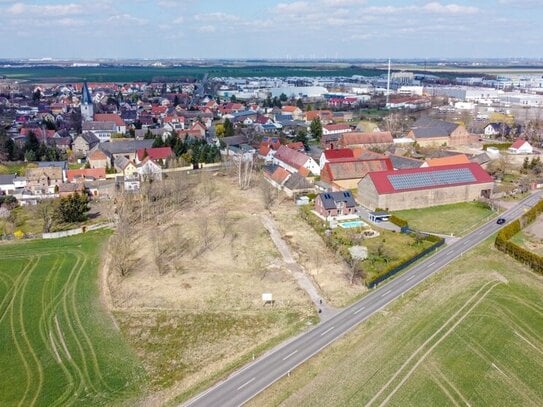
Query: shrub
x=398, y=221
x=19, y=234
x=499, y=146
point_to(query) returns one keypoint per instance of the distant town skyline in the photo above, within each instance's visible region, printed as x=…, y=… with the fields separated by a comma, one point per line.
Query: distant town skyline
x=272, y=29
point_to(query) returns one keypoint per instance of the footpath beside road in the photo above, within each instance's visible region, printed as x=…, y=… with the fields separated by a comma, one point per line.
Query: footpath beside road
x=304, y=282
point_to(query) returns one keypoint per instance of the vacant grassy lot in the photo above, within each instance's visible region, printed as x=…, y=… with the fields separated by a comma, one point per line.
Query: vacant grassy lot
x=192, y=307
x=18, y=168
x=531, y=238
x=446, y=219
x=471, y=335
x=58, y=346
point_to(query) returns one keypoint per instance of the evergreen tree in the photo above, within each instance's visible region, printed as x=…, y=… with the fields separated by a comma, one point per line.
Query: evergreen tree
x=316, y=128
x=73, y=208
x=228, y=128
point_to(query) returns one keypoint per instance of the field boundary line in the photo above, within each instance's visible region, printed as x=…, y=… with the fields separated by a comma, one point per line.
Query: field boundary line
x=426, y=342
x=94, y=358
x=441, y=339
x=443, y=388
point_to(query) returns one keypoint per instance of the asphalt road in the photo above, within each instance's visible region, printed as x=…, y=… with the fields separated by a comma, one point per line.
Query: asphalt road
x=246, y=383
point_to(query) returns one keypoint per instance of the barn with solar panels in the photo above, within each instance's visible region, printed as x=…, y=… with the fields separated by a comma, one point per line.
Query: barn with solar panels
x=424, y=187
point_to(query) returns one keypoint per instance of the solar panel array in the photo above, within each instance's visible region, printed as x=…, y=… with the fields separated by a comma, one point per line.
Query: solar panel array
x=431, y=178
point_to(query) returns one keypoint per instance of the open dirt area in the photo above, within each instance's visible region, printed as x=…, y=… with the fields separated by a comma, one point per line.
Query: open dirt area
x=328, y=270
x=191, y=301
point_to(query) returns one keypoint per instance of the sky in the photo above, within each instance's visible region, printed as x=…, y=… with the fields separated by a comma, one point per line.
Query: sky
x=298, y=29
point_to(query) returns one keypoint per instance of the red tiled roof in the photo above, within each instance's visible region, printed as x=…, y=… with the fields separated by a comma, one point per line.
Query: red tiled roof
x=451, y=160
x=291, y=157
x=357, y=138
x=109, y=117
x=96, y=173
x=339, y=126
x=296, y=145
x=518, y=143
x=289, y=109
x=353, y=168
x=264, y=149
x=280, y=175
x=97, y=155
x=381, y=179
x=157, y=153
x=338, y=153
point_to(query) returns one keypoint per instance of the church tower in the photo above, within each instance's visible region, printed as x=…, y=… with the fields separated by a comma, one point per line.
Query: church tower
x=87, y=109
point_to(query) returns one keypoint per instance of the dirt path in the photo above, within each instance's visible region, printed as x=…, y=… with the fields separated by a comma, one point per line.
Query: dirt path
x=302, y=279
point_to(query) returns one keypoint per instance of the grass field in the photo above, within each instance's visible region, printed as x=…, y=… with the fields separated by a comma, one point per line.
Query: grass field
x=455, y=218
x=470, y=335
x=136, y=73
x=58, y=346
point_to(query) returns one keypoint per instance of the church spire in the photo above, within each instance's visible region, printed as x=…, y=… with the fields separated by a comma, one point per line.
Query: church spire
x=86, y=96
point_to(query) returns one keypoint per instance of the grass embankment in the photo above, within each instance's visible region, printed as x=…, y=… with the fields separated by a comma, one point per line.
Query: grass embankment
x=457, y=218
x=18, y=168
x=59, y=347
x=470, y=335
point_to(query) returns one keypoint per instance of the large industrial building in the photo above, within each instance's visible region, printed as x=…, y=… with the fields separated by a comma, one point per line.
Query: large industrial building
x=423, y=187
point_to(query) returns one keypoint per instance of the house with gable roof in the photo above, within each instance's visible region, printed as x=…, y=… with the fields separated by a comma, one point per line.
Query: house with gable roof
x=295, y=161
x=423, y=187
x=521, y=146
x=431, y=132
x=332, y=204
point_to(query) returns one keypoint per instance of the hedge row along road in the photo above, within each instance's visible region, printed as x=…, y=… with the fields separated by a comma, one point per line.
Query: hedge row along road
x=258, y=375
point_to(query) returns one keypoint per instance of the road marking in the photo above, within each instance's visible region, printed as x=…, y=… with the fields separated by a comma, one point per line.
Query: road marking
x=382, y=295
x=328, y=330
x=358, y=310
x=431, y=264
x=246, y=383
x=410, y=278
x=288, y=356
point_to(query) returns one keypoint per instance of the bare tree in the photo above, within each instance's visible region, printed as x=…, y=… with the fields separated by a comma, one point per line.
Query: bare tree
x=46, y=212
x=244, y=168
x=205, y=235
x=269, y=194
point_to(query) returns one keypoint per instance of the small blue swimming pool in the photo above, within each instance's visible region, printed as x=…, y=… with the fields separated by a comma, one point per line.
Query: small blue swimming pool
x=352, y=224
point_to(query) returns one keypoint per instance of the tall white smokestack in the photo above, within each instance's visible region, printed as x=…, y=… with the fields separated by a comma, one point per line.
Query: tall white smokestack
x=388, y=83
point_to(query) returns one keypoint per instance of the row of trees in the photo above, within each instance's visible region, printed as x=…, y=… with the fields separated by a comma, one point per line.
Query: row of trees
x=191, y=151
x=32, y=150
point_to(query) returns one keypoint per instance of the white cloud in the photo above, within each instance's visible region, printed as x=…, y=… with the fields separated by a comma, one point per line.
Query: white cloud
x=207, y=29
x=216, y=17
x=126, y=19
x=439, y=8
x=45, y=10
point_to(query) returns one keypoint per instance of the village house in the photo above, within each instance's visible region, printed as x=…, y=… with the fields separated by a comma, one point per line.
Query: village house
x=380, y=140
x=295, y=161
x=102, y=130
x=158, y=154
x=85, y=174
x=97, y=159
x=335, y=129
x=521, y=146
x=125, y=166
x=290, y=183
x=84, y=143
x=333, y=204
x=345, y=174
x=431, y=132
x=120, y=125
x=293, y=111
x=447, y=160
x=424, y=187
x=44, y=180
x=336, y=154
